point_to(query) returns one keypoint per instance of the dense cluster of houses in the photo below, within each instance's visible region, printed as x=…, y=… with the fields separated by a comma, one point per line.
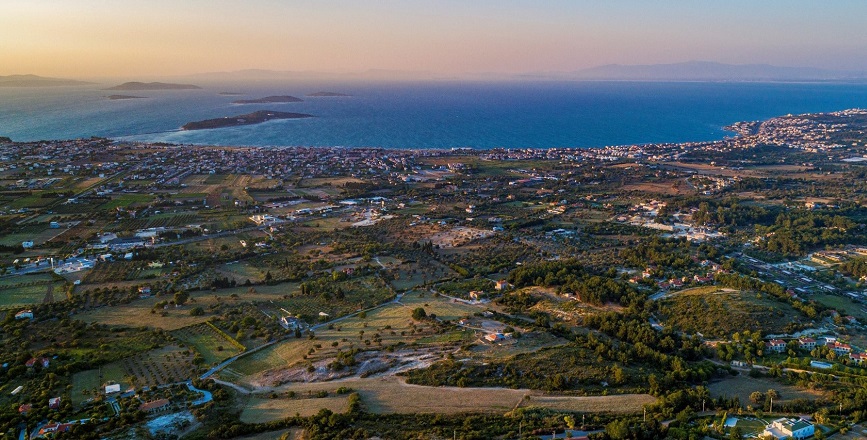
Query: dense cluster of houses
x=807, y=343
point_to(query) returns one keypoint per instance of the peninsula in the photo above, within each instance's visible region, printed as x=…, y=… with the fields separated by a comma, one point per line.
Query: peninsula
x=328, y=95
x=153, y=86
x=269, y=100
x=256, y=117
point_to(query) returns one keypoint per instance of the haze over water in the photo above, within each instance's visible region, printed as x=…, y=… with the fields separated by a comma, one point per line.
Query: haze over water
x=424, y=115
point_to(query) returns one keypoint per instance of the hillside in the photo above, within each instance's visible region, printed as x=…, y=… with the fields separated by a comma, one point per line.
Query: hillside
x=716, y=313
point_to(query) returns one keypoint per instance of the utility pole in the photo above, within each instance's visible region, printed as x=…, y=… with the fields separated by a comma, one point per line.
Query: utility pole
x=645, y=415
x=702, y=405
x=772, y=405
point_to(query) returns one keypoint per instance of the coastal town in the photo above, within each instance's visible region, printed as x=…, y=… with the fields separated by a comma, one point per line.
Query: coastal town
x=708, y=289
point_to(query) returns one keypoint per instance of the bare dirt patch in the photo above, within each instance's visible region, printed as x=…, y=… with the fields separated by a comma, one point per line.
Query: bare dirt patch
x=459, y=236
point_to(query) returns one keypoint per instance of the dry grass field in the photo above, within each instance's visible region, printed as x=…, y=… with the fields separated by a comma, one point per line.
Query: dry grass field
x=741, y=386
x=260, y=410
x=619, y=404
x=390, y=395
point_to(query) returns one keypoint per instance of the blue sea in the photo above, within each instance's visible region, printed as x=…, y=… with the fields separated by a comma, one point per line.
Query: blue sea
x=423, y=115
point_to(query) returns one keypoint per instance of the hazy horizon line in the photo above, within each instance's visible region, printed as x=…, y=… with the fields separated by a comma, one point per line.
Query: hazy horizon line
x=797, y=73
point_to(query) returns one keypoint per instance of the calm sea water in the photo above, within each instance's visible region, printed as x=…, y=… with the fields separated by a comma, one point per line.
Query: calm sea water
x=429, y=115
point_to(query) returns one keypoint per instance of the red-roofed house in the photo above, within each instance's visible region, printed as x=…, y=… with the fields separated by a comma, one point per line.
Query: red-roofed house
x=858, y=358
x=23, y=409
x=54, y=403
x=154, y=406
x=807, y=343
x=53, y=428
x=840, y=348
x=777, y=345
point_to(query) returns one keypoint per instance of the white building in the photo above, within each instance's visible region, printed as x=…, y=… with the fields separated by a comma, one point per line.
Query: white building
x=786, y=428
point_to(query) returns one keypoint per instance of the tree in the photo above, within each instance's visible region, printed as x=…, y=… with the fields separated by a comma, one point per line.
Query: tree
x=735, y=433
x=419, y=314
x=618, y=429
x=181, y=297
x=757, y=397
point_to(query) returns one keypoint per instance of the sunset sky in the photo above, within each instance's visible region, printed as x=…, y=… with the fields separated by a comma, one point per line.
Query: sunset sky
x=125, y=38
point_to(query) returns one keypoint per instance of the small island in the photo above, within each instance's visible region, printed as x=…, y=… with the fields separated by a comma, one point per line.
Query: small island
x=153, y=86
x=256, y=117
x=269, y=100
x=231, y=94
x=328, y=95
x=117, y=97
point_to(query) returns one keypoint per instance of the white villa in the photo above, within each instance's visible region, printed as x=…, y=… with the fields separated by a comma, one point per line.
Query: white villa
x=789, y=428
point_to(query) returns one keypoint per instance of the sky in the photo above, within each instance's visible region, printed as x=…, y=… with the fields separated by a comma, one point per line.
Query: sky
x=153, y=38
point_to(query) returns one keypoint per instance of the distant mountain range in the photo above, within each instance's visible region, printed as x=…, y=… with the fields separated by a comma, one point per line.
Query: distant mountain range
x=709, y=71
x=153, y=86
x=264, y=75
x=686, y=71
x=37, y=81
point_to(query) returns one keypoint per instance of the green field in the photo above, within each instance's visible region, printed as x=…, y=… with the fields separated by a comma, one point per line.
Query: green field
x=211, y=344
x=27, y=290
x=844, y=304
x=751, y=426
x=126, y=200
x=37, y=233
x=90, y=383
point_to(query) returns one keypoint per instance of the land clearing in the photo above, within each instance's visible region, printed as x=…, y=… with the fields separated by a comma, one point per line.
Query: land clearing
x=742, y=386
